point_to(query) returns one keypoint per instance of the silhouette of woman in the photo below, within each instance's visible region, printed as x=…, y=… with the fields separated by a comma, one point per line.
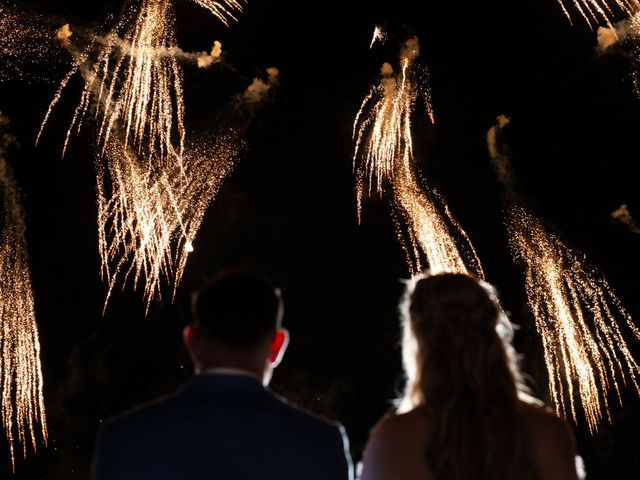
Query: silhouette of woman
x=465, y=413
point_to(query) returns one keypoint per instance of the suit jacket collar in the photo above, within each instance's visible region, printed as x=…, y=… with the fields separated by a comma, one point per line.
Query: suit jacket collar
x=217, y=383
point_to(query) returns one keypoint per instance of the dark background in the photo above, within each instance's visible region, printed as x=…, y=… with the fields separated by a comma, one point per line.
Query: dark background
x=288, y=210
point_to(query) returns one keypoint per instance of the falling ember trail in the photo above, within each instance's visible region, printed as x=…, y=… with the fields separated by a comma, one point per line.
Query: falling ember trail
x=133, y=85
x=378, y=36
x=593, y=11
x=152, y=190
x=384, y=160
x=148, y=218
x=631, y=39
x=21, y=375
x=27, y=39
x=576, y=311
x=134, y=80
x=149, y=215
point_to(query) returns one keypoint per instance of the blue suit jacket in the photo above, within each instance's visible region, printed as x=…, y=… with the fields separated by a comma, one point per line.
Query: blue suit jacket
x=226, y=427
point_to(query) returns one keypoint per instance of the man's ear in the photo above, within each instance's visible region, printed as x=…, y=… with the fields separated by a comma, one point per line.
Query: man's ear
x=278, y=346
x=190, y=337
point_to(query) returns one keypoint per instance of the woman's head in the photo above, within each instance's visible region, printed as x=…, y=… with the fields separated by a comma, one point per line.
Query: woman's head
x=455, y=336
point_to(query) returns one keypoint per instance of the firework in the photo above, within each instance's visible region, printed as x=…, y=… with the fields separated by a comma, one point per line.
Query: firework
x=576, y=311
x=625, y=34
x=27, y=39
x=224, y=10
x=150, y=213
x=22, y=398
x=384, y=159
x=378, y=36
x=133, y=84
x=148, y=217
x=133, y=78
x=593, y=11
x=629, y=33
x=152, y=192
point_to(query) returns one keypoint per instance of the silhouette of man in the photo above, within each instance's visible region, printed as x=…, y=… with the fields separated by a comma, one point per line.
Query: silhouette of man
x=225, y=423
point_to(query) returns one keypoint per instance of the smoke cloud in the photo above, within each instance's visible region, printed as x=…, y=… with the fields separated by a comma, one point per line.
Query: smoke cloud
x=386, y=70
x=259, y=87
x=623, y=215
x=607, y=37
x=410, y=49
x=64, y=33
x=618, y=33
x=205, y=60
x=499, y=158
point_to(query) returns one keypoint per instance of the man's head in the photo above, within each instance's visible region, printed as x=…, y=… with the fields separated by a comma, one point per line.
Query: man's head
x=237, y=319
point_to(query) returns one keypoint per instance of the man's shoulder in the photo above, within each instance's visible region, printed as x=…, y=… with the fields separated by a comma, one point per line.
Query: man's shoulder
x=303, y=416
x=149, y=412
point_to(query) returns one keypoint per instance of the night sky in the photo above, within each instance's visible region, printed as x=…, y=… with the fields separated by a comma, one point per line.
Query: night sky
x=288, y=210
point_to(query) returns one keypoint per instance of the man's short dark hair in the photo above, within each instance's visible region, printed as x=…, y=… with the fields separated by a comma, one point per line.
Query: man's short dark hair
x=239, y=308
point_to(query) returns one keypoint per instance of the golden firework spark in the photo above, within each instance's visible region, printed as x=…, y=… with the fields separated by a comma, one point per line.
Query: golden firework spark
x=152, y=193
x=148, y=217
x=26, y=39
x=593, y=11
x=133, y=84
x=384, y=156
x=576, y=311
x=378, y=36
x=225, y=10
x=150, y=212
x=629, y=35
x=22, y=396
x=133, y=78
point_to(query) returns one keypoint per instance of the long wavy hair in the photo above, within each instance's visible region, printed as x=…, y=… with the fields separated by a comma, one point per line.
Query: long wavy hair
x=462, y=372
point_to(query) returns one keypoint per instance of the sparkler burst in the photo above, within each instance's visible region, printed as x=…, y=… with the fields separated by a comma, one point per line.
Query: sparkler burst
x=378, y=36
x=576, y=311
x=626, y=34
x=224, y=10
x=629, y=33
x=22, y=396
x=152, y=192
x=593, y=11
x=134, y=83
x=150, y=212
x=148, y=217
x=134, y=80
x=384, y=158
x=26, y=39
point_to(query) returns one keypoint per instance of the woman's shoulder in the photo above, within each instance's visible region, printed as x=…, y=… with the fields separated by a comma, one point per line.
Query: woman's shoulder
x=396, y=446
x=542, y=419
x=552, y=440
x=399, y=424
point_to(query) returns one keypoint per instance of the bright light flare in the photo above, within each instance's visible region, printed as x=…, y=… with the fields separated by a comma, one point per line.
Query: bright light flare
x=384, y=160
x=23, y=413
x=576, y=311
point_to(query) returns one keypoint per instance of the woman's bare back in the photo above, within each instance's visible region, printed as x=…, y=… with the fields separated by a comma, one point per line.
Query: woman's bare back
x=397, y=446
